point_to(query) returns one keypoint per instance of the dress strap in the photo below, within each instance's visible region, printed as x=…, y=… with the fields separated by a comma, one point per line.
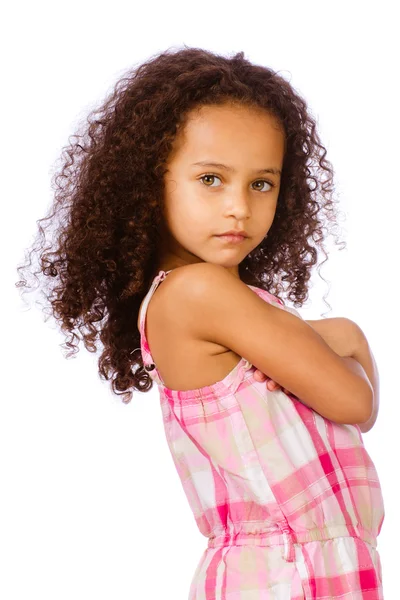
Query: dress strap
x=148, y=363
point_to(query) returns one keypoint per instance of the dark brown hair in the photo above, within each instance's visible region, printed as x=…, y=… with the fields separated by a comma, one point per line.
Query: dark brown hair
x=108, y=201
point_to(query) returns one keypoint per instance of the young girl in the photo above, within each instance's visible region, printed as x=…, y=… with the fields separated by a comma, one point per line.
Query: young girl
x=189, y=146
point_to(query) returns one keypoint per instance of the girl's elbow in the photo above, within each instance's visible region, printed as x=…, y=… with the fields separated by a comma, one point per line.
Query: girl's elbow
x=366, y=403
x=361, y=410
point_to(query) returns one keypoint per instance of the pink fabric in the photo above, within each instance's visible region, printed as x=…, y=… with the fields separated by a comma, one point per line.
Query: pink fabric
x=289, y=501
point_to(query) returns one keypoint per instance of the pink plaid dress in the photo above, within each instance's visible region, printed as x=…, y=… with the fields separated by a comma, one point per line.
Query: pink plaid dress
x=289, y=501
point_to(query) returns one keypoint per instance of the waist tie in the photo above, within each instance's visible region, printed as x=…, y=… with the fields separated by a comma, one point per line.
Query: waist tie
x=277, y=536
x=289, y=552
x=281, y=534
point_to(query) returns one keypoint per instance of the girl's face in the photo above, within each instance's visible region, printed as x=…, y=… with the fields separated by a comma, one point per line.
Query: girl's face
x=201, y=202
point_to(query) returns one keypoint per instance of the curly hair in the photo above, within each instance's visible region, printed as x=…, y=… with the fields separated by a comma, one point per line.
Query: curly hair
x=107, y=212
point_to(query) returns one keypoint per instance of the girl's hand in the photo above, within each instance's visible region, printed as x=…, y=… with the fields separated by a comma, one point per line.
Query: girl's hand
x=272, y=386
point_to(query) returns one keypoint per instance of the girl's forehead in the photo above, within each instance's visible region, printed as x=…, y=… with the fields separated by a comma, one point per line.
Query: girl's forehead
x=215, y=113
x=218, y=133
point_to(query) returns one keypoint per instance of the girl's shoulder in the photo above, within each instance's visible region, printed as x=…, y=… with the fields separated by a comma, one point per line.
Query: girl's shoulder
x=183, y=361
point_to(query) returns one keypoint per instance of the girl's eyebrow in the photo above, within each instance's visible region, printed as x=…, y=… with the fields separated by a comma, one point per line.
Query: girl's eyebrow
x=272, y=170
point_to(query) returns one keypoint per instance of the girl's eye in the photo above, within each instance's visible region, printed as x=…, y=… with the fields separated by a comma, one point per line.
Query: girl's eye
x=212, y=176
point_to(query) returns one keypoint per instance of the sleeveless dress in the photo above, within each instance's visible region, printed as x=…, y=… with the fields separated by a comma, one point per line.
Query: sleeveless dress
x=289, y=501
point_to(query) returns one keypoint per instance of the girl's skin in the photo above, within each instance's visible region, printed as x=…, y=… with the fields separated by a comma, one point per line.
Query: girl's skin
x=200, y=206
x=271, y=385
x=204, y=201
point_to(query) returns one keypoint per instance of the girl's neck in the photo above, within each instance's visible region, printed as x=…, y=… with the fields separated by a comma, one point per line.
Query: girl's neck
x=246, y=278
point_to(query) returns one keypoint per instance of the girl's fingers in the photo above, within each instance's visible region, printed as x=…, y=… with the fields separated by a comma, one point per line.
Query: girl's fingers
x=260, y=376
x=272, y=385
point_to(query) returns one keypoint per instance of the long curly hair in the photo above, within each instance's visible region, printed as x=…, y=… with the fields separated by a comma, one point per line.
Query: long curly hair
x=107, y=212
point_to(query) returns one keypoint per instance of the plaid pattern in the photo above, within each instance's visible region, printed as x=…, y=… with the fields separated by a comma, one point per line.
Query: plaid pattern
x=289, y=501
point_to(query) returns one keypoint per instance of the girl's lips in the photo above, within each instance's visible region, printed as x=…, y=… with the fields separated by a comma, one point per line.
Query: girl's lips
x=233, y=239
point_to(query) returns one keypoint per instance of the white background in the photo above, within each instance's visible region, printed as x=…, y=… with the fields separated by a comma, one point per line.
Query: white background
x=91, y=504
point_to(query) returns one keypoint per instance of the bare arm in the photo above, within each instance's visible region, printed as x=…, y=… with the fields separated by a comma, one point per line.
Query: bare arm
x=364, y=356
x=210, y=300
x=347, y=339
x=342, y=335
